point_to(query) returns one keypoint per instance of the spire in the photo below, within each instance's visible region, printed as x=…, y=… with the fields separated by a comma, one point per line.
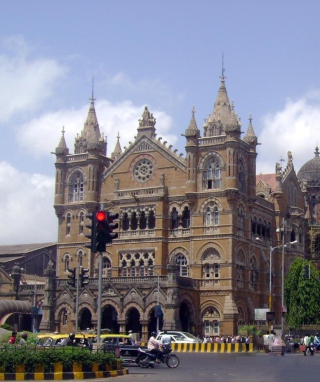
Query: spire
x=223, y=118
x=91, y=129
x=192, y=130
x=62, y=148
x=117, y=150
x=250, y=136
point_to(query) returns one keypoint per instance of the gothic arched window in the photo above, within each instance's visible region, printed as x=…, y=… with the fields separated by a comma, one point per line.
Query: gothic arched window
x=174, y=218
x=212, y=175
x=212, y=216
x=68, y=223
x=76, y=187
x=151, y=220
x=125, y=222
x=241, y=177
x=186, y=218
x=81, y=222
x=182, y=264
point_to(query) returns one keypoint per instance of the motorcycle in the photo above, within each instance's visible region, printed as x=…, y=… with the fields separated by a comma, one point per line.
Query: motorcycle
x=146, y=359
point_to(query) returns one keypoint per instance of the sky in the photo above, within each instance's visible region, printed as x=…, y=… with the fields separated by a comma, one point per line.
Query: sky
x=164, y=54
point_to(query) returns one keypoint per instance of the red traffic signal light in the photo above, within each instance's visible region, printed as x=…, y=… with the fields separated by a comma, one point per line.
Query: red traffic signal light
x=101, y=216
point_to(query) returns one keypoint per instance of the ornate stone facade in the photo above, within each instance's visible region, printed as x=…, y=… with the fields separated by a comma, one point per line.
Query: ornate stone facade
x=195, y=228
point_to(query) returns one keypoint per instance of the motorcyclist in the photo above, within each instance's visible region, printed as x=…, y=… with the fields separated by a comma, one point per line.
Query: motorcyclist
x=154, y=347
x=316, y=341
x=307, y=343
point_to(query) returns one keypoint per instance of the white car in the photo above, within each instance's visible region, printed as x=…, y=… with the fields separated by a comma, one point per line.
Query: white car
x=180, y=337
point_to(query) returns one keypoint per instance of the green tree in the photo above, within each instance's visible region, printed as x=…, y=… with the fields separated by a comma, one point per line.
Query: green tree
x=302, y=295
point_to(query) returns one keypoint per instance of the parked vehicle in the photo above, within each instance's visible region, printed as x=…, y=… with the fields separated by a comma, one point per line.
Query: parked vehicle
x=180, y=337
x=146, y=359
x=51, y=340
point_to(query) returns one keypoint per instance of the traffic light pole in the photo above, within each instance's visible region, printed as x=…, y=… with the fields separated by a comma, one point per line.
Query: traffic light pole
x=77, y=296
x=99, y=300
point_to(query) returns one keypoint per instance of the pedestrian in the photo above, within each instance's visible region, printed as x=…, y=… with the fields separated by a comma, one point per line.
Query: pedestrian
x=12, y=339
x=23, y=339
x=71, y=340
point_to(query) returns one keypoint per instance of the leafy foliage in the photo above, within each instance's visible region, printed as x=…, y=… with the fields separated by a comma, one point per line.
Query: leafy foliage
x=30, y=356
x=302, y=295
x=250, y=330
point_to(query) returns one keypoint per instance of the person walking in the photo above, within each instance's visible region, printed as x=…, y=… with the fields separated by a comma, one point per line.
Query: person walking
x=12, y=339
x=23, y=339
x=307, y=343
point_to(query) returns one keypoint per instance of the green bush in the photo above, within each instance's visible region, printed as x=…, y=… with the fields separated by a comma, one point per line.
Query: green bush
x=30, y=356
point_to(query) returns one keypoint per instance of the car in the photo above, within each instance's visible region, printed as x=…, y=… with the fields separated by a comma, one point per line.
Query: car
x=128, y=348
x=52, y=340
x=180, y=337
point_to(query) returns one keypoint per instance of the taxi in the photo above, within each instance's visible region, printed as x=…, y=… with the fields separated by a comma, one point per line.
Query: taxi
x=51, y=340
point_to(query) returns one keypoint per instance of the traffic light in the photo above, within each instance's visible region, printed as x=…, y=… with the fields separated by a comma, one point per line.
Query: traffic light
x=92, y=245
x=84, y=278
x=306, y=271
x=101, y=231
x=111, y=226
x=72, y=277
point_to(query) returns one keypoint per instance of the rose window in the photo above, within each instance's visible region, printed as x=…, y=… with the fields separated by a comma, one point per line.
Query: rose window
x=143, y=170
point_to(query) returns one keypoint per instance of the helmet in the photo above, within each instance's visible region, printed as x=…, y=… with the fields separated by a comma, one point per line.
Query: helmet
x=153, y=334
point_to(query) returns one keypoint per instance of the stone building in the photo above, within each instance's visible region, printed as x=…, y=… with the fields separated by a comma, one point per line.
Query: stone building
x=195, y=229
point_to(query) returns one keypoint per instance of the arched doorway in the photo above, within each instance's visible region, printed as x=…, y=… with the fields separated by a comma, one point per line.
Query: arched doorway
x=152, y=321
x=186, y=317
x=133, y=321
x=109, y=319
x=85, y=319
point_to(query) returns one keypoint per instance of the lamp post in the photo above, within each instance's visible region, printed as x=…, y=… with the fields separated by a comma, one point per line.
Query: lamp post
x=283, y=245
x=158, y=296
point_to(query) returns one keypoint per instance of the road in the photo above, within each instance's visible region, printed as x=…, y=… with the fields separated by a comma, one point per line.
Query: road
x=215, y=367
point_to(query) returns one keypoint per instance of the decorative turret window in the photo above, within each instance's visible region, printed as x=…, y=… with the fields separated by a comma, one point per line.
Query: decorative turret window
x=212, y=215
x=212, y=176
x=76, y=187
x=182, y=264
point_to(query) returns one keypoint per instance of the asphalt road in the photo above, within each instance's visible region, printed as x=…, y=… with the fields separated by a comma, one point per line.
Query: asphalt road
x=211, y=367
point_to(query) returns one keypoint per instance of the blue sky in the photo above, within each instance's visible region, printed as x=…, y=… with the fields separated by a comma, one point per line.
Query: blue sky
x=166, y=54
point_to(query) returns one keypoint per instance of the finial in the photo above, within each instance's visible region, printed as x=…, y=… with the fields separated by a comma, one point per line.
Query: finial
x=317, y=152
x=193, y=111
x=250, y=118
x=118, y=136
x=63, y=131
x=92, y=99
x=223, y=70
x=281, y=159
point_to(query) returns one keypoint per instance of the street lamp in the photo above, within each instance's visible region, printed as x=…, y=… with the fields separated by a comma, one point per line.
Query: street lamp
x=282, y=229
x=158, y=296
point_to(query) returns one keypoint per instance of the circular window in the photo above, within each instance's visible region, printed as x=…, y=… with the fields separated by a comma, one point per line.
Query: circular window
x=143, y=170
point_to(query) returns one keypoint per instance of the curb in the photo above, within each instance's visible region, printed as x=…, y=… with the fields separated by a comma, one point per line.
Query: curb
x=213, y=348
x=77, y=375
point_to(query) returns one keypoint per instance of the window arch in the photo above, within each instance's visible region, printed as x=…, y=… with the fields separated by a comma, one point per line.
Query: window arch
x=174, y=218
x=68, y=223
x=182, y=263
x=81, y=222
x=211, y=215
x=66, y=262
x=186, y=217
x=76, y=187
x=241, y=177
x=253, y=272
x=240, y=221
x=212, y=175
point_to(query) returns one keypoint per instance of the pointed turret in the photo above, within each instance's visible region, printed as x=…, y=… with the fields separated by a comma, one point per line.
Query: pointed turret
x=90, y=137
x=192, y=130
x=223, y=118
x=62, y=148
x=146, y=124
x=250, y=136
x=117, y=150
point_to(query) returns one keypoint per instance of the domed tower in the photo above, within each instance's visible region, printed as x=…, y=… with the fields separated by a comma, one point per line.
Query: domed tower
x=309, y=178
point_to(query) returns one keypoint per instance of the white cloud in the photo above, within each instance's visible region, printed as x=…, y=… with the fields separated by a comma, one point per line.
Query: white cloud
x=295, y=129
x=26, y=206
x=41, y=135
x=26, y=82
